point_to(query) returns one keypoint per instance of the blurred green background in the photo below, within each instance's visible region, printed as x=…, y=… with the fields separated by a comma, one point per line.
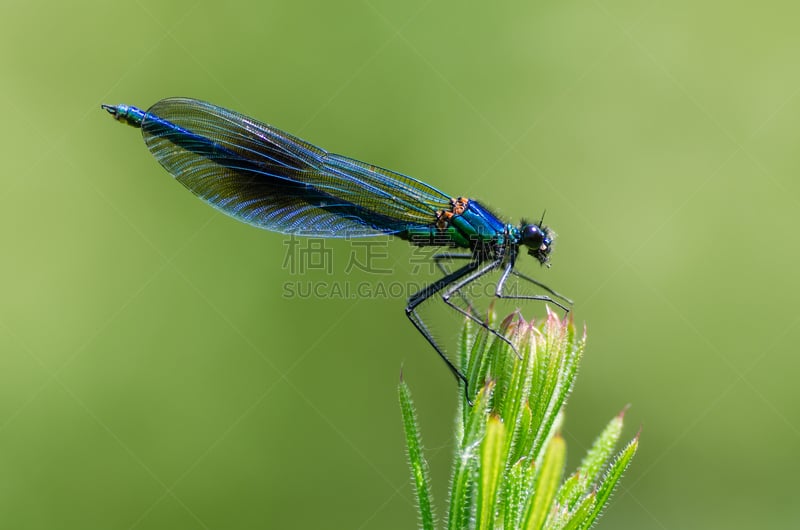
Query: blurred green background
x=152, y=374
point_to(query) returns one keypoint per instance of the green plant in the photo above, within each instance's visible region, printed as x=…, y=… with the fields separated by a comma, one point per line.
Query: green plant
x=509, y=461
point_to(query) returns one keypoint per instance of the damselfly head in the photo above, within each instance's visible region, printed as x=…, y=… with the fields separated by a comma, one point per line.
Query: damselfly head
x=538, y=239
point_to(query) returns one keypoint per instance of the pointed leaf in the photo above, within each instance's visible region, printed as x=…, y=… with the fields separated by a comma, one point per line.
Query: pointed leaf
x=546, y=484
x=490, y=472
x=419, y=467
x=610, y=480
x=593, y=463
x=515, y=490
x=581, y=513
x=467, y=460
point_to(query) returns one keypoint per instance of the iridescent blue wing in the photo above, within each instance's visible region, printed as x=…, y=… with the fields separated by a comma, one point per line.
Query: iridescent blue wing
x=270, y=179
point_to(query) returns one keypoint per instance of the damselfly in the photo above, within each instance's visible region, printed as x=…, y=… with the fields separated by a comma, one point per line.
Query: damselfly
x=273, y=180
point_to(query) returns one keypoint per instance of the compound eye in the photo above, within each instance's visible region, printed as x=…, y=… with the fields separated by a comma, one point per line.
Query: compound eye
x=532, y=236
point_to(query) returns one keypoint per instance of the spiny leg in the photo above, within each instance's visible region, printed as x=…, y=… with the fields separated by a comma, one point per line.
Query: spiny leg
x=544, y=298
x=471, y=278
x=420, y=296
x=438, y=258
x=543, y=286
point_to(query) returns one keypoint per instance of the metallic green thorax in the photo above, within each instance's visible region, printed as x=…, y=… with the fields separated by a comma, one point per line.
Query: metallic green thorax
x=476, y=226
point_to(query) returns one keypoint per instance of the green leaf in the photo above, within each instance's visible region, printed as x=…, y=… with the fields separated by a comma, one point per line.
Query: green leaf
x=602, y=449
x=516, y=411
x=515, y=492
x=610, y=480
x=555, y=373
x=592, y=465
x=477, y=362
x=490, y=472
x=503, y=362
x=466, y=461
x=525, y=432
x=570, y=490
x=546, y=484
x=581, y=513
x=419, y=467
